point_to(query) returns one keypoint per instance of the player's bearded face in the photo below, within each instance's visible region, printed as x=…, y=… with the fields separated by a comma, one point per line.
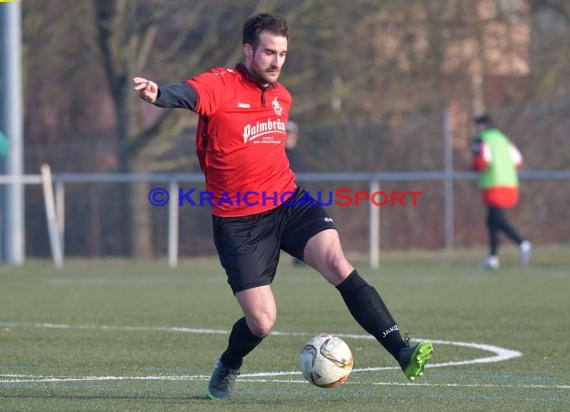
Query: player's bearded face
x=268, y=58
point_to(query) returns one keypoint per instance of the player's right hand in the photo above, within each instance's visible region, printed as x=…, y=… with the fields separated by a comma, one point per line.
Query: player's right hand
x=148, y=90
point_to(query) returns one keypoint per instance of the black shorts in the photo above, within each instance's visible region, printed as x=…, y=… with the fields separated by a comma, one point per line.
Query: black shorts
x=249, y=246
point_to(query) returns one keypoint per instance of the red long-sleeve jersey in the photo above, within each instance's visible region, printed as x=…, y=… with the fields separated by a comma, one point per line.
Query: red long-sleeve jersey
x=240, y=141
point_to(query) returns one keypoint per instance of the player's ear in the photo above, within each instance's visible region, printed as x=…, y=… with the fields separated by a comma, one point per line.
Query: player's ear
x=248, y=50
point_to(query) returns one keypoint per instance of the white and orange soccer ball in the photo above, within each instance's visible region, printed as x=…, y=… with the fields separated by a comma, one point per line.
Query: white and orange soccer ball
x=326, y=361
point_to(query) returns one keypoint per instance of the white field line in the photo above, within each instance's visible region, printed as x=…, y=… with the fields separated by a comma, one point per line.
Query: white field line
x=64, y=379
x=498, y=354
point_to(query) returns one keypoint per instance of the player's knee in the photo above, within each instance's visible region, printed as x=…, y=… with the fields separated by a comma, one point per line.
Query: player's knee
x=261, y=325
x=339, y=266
x=261, y=329
x=335, y=269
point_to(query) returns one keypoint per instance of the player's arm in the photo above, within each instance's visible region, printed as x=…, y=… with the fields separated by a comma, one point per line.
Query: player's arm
x=516, y=156
x=481, y=155
x=180, y=95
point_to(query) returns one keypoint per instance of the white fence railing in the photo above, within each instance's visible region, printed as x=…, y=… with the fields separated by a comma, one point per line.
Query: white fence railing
x=374, y=180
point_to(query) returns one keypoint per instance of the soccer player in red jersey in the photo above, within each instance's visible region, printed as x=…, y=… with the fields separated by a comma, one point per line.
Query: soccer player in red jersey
x=257, y=208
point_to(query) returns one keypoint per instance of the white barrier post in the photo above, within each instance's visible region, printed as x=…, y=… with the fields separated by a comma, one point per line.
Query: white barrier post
x=374, y=229
x=60, y=212
x=173, y=225
x=54, y=236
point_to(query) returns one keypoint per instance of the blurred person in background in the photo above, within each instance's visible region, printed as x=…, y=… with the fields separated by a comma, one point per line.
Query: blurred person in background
x=498, y=161
x=4, y=149
x=4, y=146
x=291, y=149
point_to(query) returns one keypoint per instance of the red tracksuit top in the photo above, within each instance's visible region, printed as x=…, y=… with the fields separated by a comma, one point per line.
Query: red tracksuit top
x=240, y=141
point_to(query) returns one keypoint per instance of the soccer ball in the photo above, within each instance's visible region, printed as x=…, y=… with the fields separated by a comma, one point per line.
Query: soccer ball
x=326, y=361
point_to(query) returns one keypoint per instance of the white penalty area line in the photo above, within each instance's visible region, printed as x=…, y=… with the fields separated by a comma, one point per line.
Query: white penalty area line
x=498, y=354
x=244, y=378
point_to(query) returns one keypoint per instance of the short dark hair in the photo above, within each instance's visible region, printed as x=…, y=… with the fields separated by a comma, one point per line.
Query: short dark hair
x=483, y=120
x=270, y=22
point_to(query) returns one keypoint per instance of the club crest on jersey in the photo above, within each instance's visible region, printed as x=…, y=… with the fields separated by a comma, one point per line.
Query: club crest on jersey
x=277, y=107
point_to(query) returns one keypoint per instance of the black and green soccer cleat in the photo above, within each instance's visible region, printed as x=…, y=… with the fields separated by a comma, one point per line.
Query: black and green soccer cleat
x=413, y=360
x=222, y=382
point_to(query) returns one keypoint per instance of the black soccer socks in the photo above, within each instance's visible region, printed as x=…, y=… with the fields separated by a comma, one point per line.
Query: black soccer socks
x=241, y=342
x=369, y=310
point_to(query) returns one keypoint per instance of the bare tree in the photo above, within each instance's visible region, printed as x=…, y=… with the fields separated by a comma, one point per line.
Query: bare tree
x=165, y=40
